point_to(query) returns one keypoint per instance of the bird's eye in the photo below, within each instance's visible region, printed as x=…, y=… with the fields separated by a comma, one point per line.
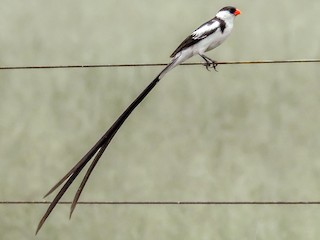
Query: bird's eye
x=232, y=10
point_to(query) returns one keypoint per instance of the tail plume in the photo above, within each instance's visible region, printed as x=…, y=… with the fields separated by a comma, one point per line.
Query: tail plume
x=95, y=153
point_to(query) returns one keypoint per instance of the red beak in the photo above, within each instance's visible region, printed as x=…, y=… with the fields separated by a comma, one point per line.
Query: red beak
x=237, y=12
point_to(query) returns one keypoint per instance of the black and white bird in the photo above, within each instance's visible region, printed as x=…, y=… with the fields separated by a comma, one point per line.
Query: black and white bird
x=207, y=37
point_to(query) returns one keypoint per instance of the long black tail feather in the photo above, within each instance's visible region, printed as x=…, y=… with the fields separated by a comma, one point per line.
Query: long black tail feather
x=97, y=151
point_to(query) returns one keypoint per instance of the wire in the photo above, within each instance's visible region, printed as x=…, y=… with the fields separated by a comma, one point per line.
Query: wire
x=163, y=202
x=167, y=202
x=157, y=64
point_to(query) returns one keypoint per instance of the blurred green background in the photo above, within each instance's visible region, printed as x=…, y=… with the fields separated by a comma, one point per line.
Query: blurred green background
x=246, y=133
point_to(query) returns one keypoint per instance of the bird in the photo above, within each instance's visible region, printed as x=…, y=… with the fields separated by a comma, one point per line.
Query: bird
x=206, y=37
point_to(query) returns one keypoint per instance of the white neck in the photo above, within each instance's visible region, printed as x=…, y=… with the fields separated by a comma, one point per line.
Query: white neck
x=226, y=16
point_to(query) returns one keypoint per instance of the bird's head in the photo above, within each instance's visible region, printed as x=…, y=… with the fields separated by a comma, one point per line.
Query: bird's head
x=228, y=13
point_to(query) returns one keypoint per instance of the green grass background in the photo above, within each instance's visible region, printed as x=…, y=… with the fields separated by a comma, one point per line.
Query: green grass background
x=246, y=133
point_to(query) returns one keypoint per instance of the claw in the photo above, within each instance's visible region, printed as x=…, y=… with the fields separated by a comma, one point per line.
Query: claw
x=214, y=66
x=209, y=63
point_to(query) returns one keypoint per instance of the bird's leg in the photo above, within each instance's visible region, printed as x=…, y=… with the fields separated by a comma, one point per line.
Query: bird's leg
x=209, y=63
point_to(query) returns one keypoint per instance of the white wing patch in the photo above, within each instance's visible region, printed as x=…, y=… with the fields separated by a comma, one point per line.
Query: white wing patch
x=206, y=29
x=200, y=33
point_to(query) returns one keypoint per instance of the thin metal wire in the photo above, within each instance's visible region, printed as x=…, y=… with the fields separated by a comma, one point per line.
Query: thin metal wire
x=163, y=202
x=167, y=202
x=157, y=64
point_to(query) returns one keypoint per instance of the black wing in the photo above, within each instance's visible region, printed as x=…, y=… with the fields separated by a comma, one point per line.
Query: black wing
x=200, y=33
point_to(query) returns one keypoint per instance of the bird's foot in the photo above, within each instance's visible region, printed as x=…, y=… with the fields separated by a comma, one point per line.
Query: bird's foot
x=209, y=63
